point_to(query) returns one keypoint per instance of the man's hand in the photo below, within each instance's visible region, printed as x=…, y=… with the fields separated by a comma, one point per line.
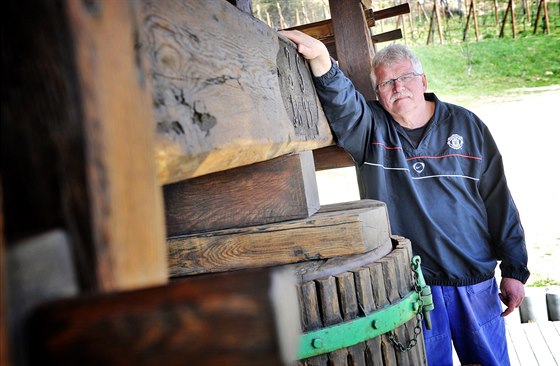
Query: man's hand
x=512, y=293
x=312, y=49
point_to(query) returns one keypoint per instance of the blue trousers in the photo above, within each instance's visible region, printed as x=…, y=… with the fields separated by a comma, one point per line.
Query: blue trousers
x=468, y=316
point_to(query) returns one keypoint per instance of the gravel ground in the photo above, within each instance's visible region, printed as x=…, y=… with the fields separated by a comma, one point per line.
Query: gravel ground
x=526, y=127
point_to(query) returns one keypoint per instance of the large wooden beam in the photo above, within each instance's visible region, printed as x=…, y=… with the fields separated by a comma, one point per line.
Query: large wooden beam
x=227, y=90
x=335, y=230
x=281, y=189
x=353, y=44
x=77, y=138
x=324, y=28
x=242, y=318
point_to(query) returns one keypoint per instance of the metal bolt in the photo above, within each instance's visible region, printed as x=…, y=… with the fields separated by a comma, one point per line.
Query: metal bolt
x=317, y=343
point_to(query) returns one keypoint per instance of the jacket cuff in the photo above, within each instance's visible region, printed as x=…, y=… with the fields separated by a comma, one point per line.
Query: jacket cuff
x=325, y=78
x=518, y=274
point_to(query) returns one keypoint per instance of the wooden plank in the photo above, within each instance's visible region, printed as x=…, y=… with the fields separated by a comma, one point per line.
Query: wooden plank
x=353, y=44
x=388, y=265
x=335, y=230
x=522, y=346
x=376, y=38
x=227, y=90
x=331, y=315
x=281, y=189
x=373, y=353
x=324, y=28
x=311, y=319
x=552, y=338
x=83, y=134
x=331, y=157
x=539, y=344
x=380, y=295
x=349, y=308
x=205, y=320
x=512, y=352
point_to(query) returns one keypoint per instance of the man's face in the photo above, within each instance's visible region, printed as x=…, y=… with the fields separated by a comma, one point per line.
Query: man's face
x=400, y=97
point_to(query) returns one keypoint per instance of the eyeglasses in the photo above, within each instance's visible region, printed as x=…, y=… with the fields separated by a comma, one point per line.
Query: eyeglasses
x=403, y=79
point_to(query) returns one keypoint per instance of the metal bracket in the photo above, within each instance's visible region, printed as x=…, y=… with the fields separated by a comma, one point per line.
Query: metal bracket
x=358, y=330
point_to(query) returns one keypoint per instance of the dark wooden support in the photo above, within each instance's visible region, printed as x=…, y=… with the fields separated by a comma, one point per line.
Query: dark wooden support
x=375, y=39
x=280, y=189
x=542, y=7
x=331, y=157
x=77, y=138
x=324, y=29
x=435, y=16
x=472, y=12
x=339, y=229
x=509, y=10
x=353, y=46
x=227, y=90
x=242, y=318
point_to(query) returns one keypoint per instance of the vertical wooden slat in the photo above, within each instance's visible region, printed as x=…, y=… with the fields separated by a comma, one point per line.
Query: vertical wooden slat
x=331, y=315
x=353, y=44
x=380, y=296
x=126, y=203
x=311, y=319
x=349, y=307
x=391, y=285
x=367, y=305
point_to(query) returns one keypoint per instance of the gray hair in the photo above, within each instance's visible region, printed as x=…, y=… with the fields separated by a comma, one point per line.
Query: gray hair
x=396, y=53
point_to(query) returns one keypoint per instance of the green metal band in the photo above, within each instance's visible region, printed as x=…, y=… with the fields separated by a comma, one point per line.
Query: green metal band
x=349, y=333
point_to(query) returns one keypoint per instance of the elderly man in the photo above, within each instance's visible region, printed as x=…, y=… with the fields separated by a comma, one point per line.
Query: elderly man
x=438, y=169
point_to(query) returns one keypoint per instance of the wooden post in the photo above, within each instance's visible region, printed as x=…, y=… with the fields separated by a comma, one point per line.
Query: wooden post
x=496, y=13
x=435, y=14
x=472, y=11
x=510, y=9
x=353, y=46
x=542, y=5
x=79, y=138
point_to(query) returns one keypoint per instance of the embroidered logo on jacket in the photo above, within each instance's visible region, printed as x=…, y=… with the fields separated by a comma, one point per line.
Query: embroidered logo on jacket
x=418, y=167
x=455, y=141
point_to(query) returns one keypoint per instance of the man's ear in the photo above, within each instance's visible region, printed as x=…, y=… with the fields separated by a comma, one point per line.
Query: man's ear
x=424, y=82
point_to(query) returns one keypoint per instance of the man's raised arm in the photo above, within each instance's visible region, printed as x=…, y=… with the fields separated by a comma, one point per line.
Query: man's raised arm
x=312, y=49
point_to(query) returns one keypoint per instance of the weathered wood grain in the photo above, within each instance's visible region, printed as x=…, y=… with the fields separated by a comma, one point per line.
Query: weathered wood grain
x=364, y=293
x=334, y=230
x=311, y=319
x=281, y=189
x=331, y=315
x=204, y=320
x=227, y=90
x=349, y=307
x=78, y=124
x=380, y=296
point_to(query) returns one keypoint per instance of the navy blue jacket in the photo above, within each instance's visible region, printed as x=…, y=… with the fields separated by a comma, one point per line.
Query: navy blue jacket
x=449, y=195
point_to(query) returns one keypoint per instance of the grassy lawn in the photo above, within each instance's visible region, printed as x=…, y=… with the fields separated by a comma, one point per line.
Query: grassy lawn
x=492, y=66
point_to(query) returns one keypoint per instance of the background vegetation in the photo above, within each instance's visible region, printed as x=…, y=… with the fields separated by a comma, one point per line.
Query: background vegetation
x=457, y=69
